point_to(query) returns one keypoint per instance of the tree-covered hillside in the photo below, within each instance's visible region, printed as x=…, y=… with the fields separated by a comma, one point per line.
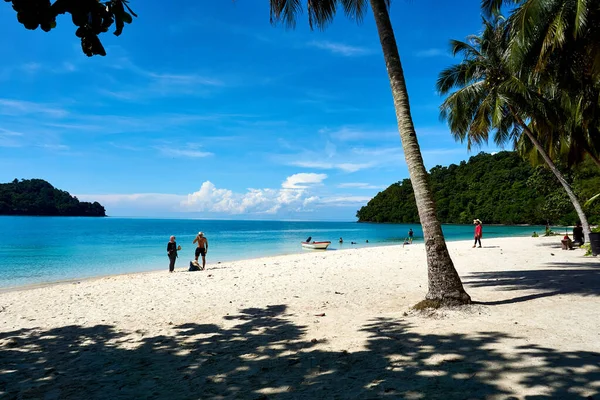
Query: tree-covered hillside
x=498, y=189
x=38, y=197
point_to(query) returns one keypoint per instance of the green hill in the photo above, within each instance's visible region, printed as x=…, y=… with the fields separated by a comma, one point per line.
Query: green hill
x=38, y=197
x=498, y=189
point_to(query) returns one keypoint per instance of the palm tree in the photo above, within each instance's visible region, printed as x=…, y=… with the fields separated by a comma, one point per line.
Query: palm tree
x=491, y=97
x=445, y=285
x=558, y=41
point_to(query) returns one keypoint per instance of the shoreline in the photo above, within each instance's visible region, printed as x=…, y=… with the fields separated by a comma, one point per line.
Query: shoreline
x=225, y=263
x=4, y=289
x=86, y=249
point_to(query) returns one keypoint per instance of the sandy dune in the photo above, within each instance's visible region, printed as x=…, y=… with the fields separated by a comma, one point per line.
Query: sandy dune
x=320, y=325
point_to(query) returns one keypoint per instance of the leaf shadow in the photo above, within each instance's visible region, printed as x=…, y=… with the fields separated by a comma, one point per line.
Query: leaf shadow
x=261, y=353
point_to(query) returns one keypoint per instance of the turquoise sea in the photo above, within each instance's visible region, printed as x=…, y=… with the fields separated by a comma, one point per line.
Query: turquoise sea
x=48, y=249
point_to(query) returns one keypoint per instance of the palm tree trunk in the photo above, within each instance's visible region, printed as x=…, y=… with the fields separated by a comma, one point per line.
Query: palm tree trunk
x=444, y=283
x=559, y=176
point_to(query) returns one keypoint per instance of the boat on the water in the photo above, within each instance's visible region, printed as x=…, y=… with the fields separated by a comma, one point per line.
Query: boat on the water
x=315, y=245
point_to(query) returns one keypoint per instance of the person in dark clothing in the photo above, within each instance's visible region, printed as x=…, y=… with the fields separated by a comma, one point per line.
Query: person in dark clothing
x=578, y=238
x=410, y=235
x=172, y=253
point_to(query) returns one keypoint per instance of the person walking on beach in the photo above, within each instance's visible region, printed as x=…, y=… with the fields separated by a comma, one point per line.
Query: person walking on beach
x=478, y=232
x=172, y=253
x=202, y=248
x=410, y=235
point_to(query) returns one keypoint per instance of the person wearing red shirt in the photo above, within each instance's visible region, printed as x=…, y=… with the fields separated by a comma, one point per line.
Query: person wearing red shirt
x=478, y=232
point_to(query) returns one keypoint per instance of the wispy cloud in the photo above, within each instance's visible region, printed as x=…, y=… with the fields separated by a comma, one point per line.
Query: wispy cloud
x=10, y=138
x=125, y=146
x=7, y=133
x=443, y=152
x=35, y=68
x=340, y=48
x=110, y=124
x=170, y=152
x=152, y=83
x=56, y=147
x=433, y=52
x=31, y=67
x=184, y=79
x=344, y=200
x=358, y=185
x=349, y=134
x=143, y=202
x=344, y=166
x=335, y=151
x=380, y=153
x=11, y=107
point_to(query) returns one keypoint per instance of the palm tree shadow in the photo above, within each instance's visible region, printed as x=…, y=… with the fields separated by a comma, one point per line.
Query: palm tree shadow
x=560, y=278
x=264, y=355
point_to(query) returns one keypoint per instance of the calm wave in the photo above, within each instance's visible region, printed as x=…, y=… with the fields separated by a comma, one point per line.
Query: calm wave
x=46, y=249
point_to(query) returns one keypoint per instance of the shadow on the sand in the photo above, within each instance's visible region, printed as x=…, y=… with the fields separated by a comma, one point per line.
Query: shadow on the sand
x=561, y=278
x=554, y=245
x=264, y=355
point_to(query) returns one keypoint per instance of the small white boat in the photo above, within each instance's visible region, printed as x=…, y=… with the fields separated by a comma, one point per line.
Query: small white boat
x=315, y=245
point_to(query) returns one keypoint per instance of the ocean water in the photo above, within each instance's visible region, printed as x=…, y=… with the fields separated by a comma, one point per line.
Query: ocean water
x=47, y=249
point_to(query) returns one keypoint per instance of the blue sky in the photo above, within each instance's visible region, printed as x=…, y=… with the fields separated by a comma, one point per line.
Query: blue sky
x=204, y=110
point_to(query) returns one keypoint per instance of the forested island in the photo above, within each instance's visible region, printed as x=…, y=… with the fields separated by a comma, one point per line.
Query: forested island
x=498, y=189
x=38, y=197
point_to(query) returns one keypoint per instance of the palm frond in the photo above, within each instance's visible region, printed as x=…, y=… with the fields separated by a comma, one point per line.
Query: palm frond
x=459, y=75
x=581, y=15
x=286, y=11
x=491, y=7
x=356, y=9
x=457, y=47
x=320, y=12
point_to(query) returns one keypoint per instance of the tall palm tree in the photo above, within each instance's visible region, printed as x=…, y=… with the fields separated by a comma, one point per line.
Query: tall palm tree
x=490, y=97
x=445, y=285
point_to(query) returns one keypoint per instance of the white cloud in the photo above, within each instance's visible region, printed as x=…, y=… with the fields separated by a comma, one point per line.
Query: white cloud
x=340, y=48
x=303, y=180
x=258, y=201
x=296, y=197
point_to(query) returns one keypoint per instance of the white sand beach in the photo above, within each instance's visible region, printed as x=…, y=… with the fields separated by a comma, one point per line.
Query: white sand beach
x=317, y=325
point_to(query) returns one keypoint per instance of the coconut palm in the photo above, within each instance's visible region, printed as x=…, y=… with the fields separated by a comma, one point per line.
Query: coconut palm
x=490, y=97
x=558, y=41
x=445, y=285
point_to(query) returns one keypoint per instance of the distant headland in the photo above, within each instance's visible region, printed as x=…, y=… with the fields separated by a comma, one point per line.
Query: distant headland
x=38, y=197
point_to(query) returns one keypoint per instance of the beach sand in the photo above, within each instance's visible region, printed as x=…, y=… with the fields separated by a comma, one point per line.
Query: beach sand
x=317, y=325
